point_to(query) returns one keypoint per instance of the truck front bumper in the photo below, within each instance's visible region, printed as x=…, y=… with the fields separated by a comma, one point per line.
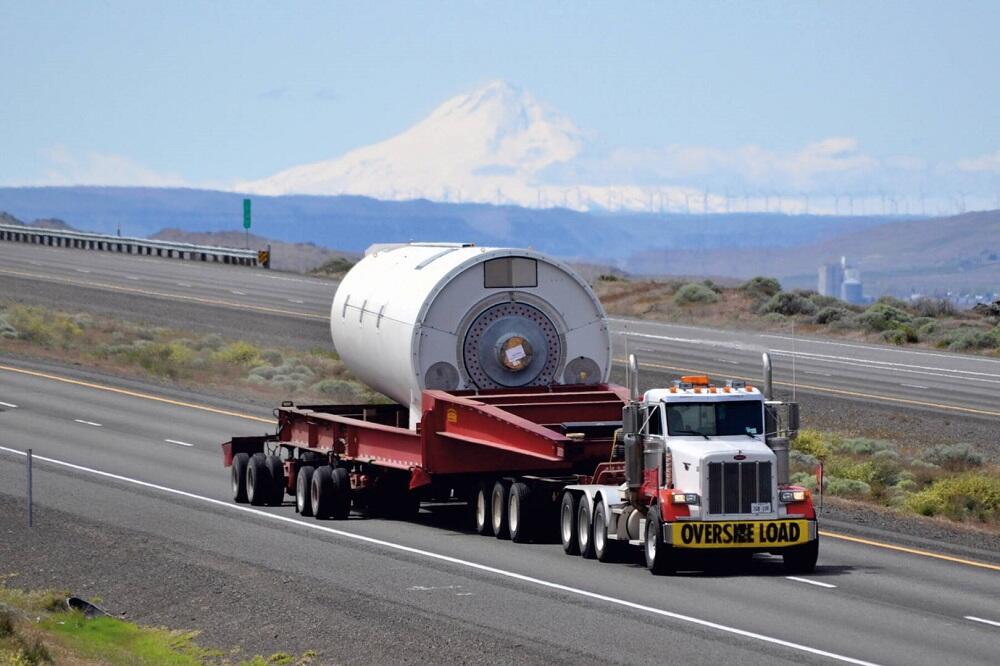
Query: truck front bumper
x=757, y=534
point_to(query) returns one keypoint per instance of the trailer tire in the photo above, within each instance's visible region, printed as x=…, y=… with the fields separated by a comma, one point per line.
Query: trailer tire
x=341, y=499
x=303, y=482
x=239, y=475
x=258, y=480
x=567, y=523
x=482, y=509
x=585, y=529
x=498, y=502
x=321, y=492
x=277, y=471
x=605, y=549
x=801, y=559
x=659, y=555
x=520, y=519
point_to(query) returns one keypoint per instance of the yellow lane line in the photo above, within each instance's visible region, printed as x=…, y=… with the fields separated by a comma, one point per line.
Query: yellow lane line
x=912, y=551
x=823, y=389
x=162, y=294
x=135, y=394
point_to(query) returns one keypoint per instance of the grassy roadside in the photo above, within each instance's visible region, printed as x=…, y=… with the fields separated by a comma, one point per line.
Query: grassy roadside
x=760, y=303
x=179, y=357
x=36, y=627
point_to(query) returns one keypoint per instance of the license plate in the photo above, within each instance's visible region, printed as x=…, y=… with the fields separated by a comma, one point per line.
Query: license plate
x=739, y=534
x=760, y=507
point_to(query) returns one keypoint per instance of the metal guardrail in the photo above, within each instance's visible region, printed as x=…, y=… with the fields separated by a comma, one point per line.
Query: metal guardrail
x=138, y=246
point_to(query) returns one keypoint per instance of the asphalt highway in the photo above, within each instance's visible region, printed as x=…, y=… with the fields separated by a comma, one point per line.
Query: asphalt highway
x=264, y=305
x=125, y=456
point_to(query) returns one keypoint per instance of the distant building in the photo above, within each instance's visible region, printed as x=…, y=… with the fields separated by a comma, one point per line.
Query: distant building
x=841, y=281
x=831, y=278
x=852, y=291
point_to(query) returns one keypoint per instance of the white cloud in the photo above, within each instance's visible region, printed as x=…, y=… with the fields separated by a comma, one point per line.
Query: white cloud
x=982, y=163
x=67, y=168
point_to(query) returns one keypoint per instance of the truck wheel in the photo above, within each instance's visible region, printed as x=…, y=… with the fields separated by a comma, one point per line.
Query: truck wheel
x=585, y=529
x=605, y=549
x=340, y=507
x=801, y=559
x=239, y=474
x=659, y=555
x=258, y=480
x=567, y=523
x=520, y=521
x=276, y=468
x=482, y=509
x=321, y=492
x=303, y=503
x=501, y=492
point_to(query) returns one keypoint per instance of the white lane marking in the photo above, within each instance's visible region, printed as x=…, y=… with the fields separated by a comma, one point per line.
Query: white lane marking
x=183, y=284
x=7, y=404
x=238, y=293
x=916, y=386
x=178, y=442
x=691, y=341
x=90, y=423
x=952, y=357
x=132, y=277
x=727, y=360
x=895, y=367
x=35, y=263
x=810, y=582
x=296, y=300
x=83, y=270
x=984, y=621
x=820, y=374
x=456, y=561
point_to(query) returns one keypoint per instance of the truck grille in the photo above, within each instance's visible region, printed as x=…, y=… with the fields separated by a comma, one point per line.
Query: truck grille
x=733, y=486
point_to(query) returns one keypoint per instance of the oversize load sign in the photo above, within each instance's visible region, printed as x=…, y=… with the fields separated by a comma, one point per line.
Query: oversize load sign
x=748, y=534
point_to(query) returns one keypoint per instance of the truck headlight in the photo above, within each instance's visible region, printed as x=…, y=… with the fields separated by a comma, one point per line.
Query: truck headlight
x=685, y=498
x=789, y=496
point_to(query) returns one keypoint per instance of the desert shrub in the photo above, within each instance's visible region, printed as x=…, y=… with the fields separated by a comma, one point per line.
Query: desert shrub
x=711, y=285
x=892, y=302
x=900, y=335
x=774, y=318
x=954, y=457
x=166, y=359
x=969, y=495
x=847, y=487
x=801, y=459
x=340, y=389
x=968, y=339
x=848, y=322
x=804, y=479
x=789, y=304
x=811, y=442
x=6, y=329
x=907, y=485
x=265, y=372
x=761, y=288
x=212, y=341
x=272, y=356
x=881, y=316
x=933, y=307
x=608, y=277
x=862, y=446
x=694, y=292
x=30, y=325
x=821, y=301
x=239, y=353
x=830, y=314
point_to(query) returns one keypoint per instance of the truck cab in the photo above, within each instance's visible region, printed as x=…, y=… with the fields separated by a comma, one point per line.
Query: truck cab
x=706, y=468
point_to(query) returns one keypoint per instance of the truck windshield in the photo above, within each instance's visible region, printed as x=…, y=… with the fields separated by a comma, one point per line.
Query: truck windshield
x=741, y=417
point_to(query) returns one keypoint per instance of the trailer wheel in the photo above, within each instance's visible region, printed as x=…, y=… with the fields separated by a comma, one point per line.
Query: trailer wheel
x=341, y=499
x=321, y=492
x=277, y=471
x=303, y=502
x=501, y=493
x=567, y=523
x=520, y=520
x=605, y=549
x=258, y=480
x=801, y=559
x=659, y=555
x=239, y=476
x=585, y=529
x=482, y=509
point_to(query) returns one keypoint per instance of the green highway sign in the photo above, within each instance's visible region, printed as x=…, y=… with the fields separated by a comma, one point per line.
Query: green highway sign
x=246, y=213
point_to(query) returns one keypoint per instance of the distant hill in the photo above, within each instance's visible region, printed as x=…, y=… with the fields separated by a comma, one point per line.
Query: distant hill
x=352, y=223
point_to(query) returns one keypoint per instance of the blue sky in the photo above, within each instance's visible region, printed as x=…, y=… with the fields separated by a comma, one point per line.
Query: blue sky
x=211, y=93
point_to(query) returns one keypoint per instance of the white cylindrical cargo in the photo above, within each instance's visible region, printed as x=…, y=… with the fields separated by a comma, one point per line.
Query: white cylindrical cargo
x=453, y=316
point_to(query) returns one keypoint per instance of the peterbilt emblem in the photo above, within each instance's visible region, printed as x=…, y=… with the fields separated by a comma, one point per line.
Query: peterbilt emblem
x=687, y=466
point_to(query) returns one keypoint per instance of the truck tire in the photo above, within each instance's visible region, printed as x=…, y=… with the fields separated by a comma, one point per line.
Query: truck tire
x=341, y=500
x=605, y=549
x=567, y=523
x=801, y=559
x=659, y=555
x=303, y=503
x=520, y=519
x=276, y=468
x=482, y=509
x=258, y=480
x=321, y=492
x=501, y=494
x=585, y=529
x=239, y=473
